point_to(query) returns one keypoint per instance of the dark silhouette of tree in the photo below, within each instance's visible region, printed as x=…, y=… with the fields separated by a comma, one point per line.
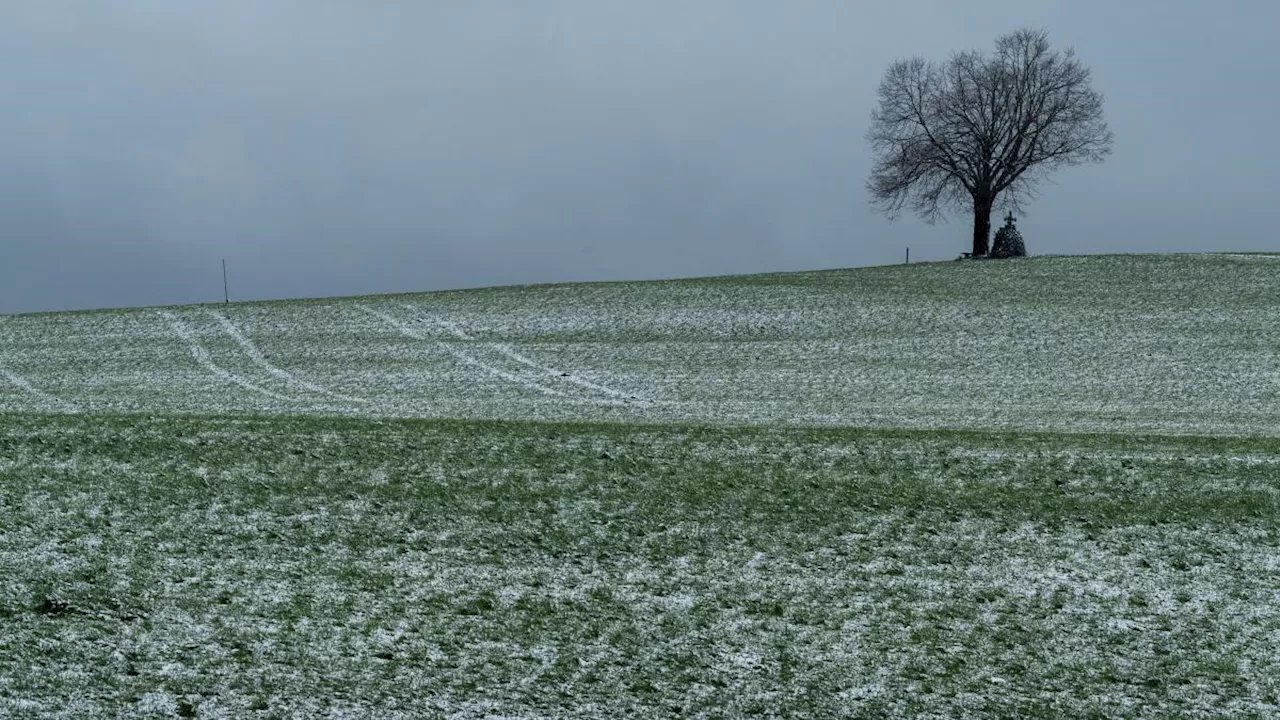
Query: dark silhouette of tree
x=977, y=129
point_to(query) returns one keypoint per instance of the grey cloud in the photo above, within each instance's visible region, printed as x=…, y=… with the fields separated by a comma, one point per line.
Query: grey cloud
x=331, y=147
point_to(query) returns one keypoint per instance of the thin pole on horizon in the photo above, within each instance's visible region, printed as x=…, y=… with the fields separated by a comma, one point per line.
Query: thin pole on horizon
x=226, y=297
x=908, y=262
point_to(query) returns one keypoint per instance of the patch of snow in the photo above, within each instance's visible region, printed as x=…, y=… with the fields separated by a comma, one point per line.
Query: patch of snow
x=261, y=361
x=202, y=357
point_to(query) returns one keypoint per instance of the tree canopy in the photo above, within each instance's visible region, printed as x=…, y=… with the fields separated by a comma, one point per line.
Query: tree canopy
x=981, y=129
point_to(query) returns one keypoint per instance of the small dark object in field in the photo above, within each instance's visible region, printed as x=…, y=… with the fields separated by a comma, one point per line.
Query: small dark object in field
x=55, y=606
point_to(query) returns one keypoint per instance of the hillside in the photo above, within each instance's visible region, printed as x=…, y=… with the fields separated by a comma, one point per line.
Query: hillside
x=337, y=508
x=1174, y=344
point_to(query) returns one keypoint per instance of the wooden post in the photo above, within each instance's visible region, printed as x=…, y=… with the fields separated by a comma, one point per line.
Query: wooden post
x=908, y=262
x=226, y=298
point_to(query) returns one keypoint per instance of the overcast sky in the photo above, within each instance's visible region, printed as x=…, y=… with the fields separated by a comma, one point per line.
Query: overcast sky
x=336, y=148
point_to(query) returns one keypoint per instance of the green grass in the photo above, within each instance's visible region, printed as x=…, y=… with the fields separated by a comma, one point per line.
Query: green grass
x=1165, y=344
x=1040, y=488
x=281, y=566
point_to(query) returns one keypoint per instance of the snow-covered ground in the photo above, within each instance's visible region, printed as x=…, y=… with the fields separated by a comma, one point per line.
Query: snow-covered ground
x=296, y=567
x=833, y=494
x=1182, y=344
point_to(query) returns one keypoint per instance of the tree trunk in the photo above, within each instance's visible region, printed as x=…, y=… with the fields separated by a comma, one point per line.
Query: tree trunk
x=981, y=225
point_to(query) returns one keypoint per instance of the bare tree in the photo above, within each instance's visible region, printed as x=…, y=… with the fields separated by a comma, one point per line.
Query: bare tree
x=979, y=128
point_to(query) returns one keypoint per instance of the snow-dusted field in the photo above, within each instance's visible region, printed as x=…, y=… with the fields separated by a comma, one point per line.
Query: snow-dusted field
x=1175, y=344
x=1062, y=502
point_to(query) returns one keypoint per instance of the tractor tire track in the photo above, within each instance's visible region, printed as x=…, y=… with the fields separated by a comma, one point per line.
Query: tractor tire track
x=202, y=358
x=463, y=357
x=510, y=352
x=50, y=400
x=261, y=361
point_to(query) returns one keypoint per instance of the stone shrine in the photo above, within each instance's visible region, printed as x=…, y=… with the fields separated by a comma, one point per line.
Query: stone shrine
x=1008, y=242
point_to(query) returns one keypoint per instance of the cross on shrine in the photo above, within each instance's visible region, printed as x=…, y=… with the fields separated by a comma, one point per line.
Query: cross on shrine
x=1008, y=219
